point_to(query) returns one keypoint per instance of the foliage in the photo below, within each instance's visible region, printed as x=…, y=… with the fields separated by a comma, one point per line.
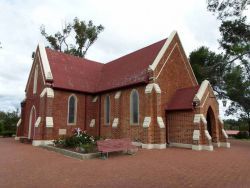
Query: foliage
x=227, y=8
x=206, y=67
x=238, y=90
x=80, y=139
x=233, y=124
x=243, y=135
x=231, y=72
x=8, y=121
x=85, y=34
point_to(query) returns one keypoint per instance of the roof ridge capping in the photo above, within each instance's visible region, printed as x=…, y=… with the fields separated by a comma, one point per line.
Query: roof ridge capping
x=45, y=62
x=163, y=49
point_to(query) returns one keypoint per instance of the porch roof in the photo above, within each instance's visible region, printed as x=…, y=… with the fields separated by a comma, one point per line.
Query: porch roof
x=183, y=99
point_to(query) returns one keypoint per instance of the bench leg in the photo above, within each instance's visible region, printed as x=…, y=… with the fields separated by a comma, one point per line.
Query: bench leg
x=103, y=156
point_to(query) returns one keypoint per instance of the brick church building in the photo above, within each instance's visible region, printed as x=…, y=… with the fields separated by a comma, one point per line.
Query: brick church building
x=150, y=95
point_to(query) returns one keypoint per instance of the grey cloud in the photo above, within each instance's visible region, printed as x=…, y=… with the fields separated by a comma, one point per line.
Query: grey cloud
x=129, y=25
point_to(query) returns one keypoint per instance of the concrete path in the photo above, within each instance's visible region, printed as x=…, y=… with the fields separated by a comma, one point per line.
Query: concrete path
x=22, y=165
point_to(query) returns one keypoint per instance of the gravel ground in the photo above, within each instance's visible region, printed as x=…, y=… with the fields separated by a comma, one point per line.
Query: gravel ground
x=22, y=165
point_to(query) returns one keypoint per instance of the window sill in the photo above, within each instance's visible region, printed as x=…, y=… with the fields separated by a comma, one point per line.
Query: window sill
x=71, y=124
x=131, y=124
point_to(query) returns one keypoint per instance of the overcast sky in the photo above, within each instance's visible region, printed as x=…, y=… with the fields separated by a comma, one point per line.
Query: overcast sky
x=129, y=25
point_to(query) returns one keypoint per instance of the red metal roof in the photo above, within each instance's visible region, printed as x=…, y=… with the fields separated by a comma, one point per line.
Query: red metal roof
x=73, y=73
x=232, y=132
x=183, y=99
x=79, y=74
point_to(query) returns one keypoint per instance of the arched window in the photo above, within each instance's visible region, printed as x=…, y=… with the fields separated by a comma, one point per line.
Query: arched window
x=35, y=80
x=107, y=110
x=134, y=107
x=72, y=107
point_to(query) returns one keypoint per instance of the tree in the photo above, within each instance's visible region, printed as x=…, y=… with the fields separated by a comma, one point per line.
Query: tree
x=227, y=8
x=234, y=66
x=8, y=121
x=203, y=62
x=235, y=41
x=238, y=91
x=85, y=34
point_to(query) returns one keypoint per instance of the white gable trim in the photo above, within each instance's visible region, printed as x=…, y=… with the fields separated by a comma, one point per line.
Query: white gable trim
x=45, y=62
x=162, y=51
x=204, y=101
x=183, y=60
x=37, y=60
x=201, y=91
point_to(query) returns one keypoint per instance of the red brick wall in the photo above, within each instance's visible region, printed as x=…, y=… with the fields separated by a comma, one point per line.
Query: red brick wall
x=175, y=74
x=60, y=112
x=120, y=108
x=32, y=99
x=180, y=126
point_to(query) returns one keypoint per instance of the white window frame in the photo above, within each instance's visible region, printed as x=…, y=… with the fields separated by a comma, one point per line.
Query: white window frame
x=75, y=111
x=131, y=108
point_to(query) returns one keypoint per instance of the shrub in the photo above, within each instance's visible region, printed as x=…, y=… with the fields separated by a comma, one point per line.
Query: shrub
x=242, y=135
x=8, y=133
x=79, y=139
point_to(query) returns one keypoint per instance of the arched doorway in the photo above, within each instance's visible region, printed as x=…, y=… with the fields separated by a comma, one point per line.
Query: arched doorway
x=211, y=123
x=32, y=120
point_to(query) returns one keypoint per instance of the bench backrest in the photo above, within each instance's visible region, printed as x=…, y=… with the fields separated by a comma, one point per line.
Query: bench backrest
x=113, y=143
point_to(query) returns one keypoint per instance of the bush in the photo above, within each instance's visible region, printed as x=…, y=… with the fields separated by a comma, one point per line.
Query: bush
x=7, y=133
x=80, y=140
x=242, y=135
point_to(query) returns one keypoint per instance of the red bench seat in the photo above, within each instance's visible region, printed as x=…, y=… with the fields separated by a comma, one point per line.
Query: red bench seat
x=112, y=145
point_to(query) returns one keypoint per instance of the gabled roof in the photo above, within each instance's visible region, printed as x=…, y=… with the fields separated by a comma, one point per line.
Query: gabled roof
x=78, y=74
x=130, y=69
x=73, y=73
x=183, y=99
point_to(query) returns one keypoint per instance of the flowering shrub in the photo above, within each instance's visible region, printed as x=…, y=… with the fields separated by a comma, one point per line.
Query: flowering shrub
x=80, y=141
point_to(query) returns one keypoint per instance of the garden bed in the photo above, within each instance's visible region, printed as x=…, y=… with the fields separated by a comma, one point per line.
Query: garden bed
x=71, y=153
x=79, y=145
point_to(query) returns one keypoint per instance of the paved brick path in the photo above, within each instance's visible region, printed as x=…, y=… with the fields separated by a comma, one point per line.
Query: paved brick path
x=22, y=165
